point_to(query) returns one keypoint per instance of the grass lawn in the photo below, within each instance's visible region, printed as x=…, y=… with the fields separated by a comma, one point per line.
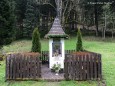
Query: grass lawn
x=104, y=47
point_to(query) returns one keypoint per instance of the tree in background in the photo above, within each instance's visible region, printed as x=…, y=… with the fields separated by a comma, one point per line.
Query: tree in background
x=30, y=19
x=7, y=22
x=79, y=46
x=86, y=15
x=20, y=15
x=108, y=23
x=113, y=24
x=106, y=18
x=36, y=45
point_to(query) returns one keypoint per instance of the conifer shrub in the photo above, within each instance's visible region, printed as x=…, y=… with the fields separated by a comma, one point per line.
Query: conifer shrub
x=36, y=44
x=79, y=46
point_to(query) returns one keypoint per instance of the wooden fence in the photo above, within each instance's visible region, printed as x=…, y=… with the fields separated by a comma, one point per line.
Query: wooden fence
x=45, y=55
x=23, y=66
x=69, y=51
x=83, y=67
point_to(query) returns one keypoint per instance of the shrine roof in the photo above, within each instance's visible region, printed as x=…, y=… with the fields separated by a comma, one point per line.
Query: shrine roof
x=56, y=30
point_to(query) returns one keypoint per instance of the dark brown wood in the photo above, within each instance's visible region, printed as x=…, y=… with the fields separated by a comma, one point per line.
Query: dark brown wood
x=95, y=66
x=14, y=66
x=99, y=67
x=28, y=64
x=44, y=57
x=7, y=67
x=77, y=68
x=24, y=69
x=69, y=51
x=91, y=66
x=80, y=67
x=40, y=64
x=88, y=68
x=18, y=74
x=10, y=62
x=83, y=67
x=23, y=66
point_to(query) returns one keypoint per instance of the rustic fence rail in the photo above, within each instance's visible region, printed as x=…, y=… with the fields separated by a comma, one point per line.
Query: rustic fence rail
x=83, y=67
x=69, y=51
x=45, y=55
x=23, y=67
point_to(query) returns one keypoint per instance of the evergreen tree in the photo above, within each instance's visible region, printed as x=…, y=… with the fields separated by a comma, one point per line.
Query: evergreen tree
x=30, y=19
x=7, y=19
x=79, y=46
x=20, y=15
x=36, y=45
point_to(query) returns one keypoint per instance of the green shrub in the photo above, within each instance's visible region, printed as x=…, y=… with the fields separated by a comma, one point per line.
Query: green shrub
x=79, y=46
x=36, y=44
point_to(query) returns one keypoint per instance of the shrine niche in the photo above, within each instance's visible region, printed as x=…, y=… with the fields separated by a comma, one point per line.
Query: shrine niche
x=56, y=48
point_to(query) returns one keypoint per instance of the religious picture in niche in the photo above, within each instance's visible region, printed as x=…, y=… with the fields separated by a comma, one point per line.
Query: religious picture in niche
x=56, y=49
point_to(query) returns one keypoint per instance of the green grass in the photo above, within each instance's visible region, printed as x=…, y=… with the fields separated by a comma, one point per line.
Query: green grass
x=104, y=47
x=24, y=46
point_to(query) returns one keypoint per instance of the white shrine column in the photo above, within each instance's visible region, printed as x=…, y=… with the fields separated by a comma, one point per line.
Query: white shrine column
x=50, y=52
x=63, y=53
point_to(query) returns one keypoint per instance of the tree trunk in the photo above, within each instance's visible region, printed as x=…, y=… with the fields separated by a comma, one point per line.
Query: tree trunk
x=96, y=18
x=113, y=30
x=112, y=34
x=105, y=26
x=104, y=33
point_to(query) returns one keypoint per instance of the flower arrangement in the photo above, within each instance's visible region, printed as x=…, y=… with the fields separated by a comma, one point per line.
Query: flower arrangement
x=56, y=68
